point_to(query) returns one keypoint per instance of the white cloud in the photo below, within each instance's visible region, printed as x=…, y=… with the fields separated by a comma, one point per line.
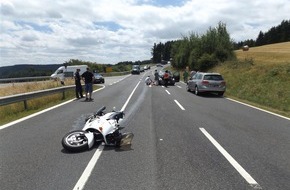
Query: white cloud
x=102, y=31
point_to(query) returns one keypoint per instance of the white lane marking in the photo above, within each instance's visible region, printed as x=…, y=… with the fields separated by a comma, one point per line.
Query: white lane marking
x=87, y=172
x=178, y=86
x=259, y=109
x=40, y=112
x=232, y=161
x=167, y=92
x=119, y=80
x=181, y=107
x=126, y=103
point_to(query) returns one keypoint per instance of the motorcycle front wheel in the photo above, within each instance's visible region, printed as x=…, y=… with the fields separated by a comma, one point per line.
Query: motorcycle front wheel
x=75, y=141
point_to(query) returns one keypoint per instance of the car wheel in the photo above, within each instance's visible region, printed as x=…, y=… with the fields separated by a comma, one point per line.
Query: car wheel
x=196, y=91
x=187, y=88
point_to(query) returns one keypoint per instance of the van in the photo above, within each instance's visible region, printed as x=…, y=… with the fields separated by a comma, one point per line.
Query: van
x=68, y=71
x=135, y=69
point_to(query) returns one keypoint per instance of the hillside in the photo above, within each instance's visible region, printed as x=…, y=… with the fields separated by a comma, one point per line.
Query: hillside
x=260, y=76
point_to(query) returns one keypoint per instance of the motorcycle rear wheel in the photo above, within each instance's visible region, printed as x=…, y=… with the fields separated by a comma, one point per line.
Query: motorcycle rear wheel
x=75, y=141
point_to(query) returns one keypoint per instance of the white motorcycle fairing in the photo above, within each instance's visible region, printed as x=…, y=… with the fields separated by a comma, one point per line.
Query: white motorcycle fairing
x=99, y=127
x=104, y=124
x=91, y=139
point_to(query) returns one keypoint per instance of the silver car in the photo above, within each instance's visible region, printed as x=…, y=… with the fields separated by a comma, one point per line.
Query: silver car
x=207, y=83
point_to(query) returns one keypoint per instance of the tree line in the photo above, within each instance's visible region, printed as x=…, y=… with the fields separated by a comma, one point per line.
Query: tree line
x=198, y=52
x=276, y=34
x=202, y=52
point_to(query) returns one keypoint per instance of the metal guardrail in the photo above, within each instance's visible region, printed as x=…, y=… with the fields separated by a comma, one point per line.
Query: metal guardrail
x=30, y=95
x=24, y=79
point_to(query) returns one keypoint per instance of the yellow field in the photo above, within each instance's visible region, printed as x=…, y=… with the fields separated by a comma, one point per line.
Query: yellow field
x=267, y=54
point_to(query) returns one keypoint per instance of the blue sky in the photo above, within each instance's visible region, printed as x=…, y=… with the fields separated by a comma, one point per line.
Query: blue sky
x=102, y=31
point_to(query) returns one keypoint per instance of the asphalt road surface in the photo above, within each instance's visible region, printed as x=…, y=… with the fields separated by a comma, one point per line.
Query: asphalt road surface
x=181, y=141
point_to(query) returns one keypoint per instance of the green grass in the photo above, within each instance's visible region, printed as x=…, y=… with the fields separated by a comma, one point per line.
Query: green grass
x=11, y=112
x=260, y=77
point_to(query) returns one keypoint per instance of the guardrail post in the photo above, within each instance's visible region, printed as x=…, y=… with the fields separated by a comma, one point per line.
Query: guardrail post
x=25, y=104
x=63, y=95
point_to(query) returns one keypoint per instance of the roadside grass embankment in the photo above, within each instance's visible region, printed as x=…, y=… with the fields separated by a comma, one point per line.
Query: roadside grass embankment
x=15, y=111
x=260, y=77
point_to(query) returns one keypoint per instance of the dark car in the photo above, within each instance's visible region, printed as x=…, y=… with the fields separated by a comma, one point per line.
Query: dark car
x=135, y=69
x=171, y=80
x=98, y=78
x=176, y=76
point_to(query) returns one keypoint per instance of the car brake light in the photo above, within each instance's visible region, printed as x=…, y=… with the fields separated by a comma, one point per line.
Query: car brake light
x=223, y=83
x=204, y=82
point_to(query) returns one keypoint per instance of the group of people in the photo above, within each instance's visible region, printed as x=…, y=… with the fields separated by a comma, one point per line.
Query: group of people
x=149, y=81
x=88, y=78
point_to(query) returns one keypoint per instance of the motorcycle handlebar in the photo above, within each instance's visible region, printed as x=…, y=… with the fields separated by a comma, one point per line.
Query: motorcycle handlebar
x=100, y=111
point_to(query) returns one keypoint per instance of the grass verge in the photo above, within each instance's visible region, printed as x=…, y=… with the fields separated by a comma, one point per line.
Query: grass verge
x=11, y=112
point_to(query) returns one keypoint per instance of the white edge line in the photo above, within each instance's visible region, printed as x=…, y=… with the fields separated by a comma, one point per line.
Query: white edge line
x=234, y=163
x=259, y=109
x=181, y=107
x=167, y=92
x=87, y=172
x=40, y=112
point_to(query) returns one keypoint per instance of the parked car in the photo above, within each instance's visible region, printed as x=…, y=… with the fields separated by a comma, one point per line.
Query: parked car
x=207, y=83
x=142, y=69
x=146, y=67
x=159, y=65
x=171, y=80
x=98, y=78
x=176, y=76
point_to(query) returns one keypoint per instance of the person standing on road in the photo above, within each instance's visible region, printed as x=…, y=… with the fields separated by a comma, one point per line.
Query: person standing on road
x=185, y=76
x=156, y=78
x=79, y=89
x=166, y=78
x=88, y=77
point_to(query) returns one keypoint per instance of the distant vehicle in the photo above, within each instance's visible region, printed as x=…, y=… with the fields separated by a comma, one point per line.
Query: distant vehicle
x=68, y=71
x=146, y=67
x=176, y=76
x=207, y=83
x=98, y=78
x=135, y=69
x=159, y=65
x=171, y=80
x=142, y=69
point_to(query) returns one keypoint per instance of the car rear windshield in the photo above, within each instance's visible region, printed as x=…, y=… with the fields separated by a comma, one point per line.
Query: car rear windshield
x=213, y=77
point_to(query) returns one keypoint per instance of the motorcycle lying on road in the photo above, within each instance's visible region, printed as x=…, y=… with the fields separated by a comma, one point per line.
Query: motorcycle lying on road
x=99, y=127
